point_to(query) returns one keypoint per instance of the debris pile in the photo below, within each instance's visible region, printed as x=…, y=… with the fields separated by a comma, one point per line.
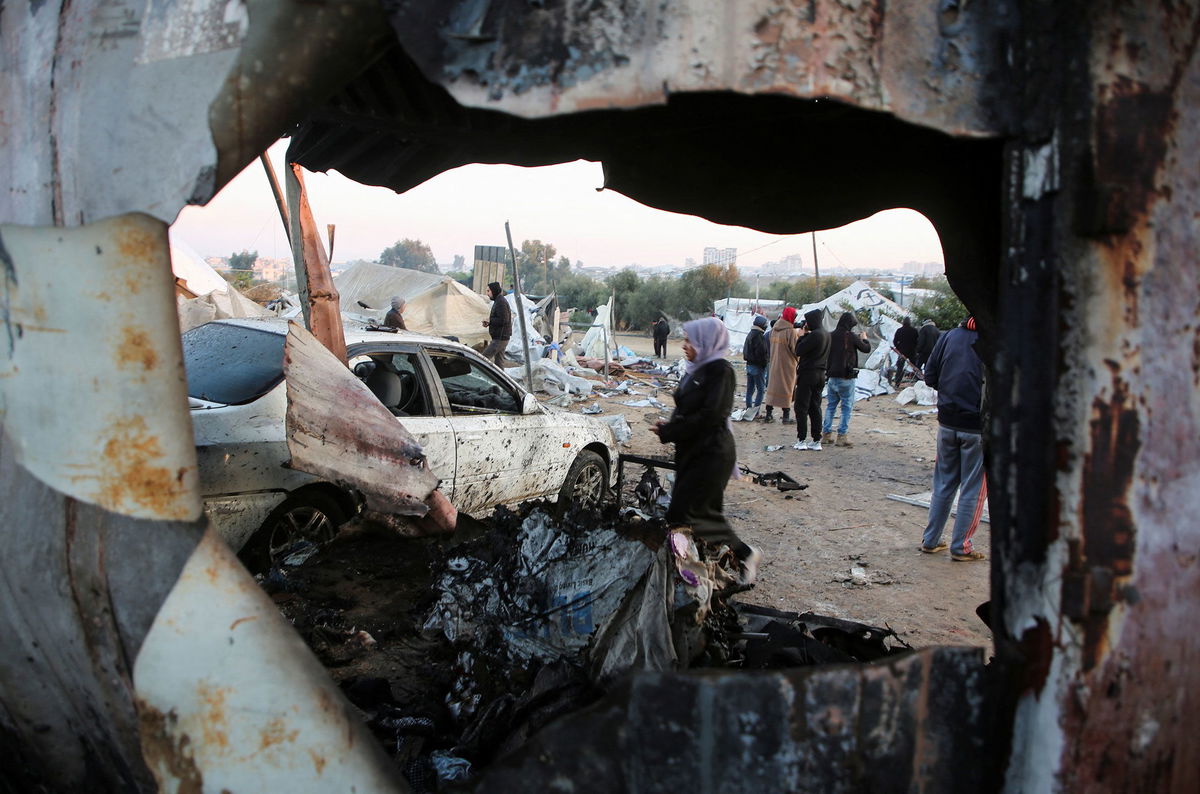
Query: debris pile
x=457, y=651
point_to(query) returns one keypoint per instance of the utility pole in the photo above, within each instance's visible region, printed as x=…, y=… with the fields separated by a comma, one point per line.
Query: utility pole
x=816, y=267
x=520, y=310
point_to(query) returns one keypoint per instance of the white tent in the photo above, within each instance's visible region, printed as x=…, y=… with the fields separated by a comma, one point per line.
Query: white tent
x=437, y=304
x=738, y=315
x=594, y=340
x=215, y=298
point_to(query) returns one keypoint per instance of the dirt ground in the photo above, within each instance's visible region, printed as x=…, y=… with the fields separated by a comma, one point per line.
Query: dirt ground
x=813, y=538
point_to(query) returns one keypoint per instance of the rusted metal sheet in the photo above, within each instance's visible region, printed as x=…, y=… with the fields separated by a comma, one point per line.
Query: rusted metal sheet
x=319, y=298
x=937, y=65
x=88, y=371
x=339, y=431
x=230, y=699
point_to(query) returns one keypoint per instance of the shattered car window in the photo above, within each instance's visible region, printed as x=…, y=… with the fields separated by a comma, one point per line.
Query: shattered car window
x=231, y=364
x=471, y=389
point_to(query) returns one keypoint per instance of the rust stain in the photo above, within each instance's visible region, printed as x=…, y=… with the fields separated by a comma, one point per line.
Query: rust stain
x=169, y=756
x=136, y=350
x=240, y=621
x=318, y=761
x=130, y=472
x=276, y=732
x=214, y=717
x=1108, y=543
x=136, y=245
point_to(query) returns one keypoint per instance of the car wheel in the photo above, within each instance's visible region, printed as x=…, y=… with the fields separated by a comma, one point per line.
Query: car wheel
x=314, y=517
x=586, y=483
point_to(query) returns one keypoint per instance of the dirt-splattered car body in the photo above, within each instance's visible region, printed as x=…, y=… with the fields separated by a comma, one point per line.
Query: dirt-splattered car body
x=506, y=451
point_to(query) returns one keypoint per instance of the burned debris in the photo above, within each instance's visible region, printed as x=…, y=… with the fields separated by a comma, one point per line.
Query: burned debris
x=458, y=651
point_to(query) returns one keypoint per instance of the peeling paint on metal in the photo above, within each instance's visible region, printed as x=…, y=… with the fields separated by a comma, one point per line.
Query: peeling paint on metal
x=92, y=409
x=229, y=696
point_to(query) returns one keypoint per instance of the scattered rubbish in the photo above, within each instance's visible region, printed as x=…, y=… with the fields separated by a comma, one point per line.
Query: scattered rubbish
x=594, y=408
x=883, y=432
x=919, y=392
x=859, y=576
x=299, y=553
x=926, y=412
x=772, y=447
x=923, y=499
x=621, y=430
x=776, y=479
x=562, y=401
x=450, y=768
x=648, y=403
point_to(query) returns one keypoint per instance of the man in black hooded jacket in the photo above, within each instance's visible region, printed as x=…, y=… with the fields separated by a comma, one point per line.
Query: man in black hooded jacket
x=812, y=354
x=844, y=347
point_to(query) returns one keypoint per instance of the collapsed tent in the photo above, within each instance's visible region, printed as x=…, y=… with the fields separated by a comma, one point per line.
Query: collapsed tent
x=436, y=304
x=202, y=295
x=600, y=334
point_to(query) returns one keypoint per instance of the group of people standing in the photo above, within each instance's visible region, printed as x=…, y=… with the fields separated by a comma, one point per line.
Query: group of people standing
x=800, y=358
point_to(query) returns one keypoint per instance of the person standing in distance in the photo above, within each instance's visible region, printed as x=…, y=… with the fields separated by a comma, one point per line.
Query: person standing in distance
x=844, y=347
x=926, y=338
x=395, y=316
x=905, y=342
x=782, y=382
x=954, y=369
x=499, y=325
x=705, y=453
x=660, y=330
x=812, y=356
x=756, y=352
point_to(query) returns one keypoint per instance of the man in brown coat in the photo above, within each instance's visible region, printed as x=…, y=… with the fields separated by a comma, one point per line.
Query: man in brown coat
x=782, y=379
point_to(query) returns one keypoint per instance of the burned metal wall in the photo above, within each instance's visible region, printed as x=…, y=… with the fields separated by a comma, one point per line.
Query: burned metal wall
x=1050, y=143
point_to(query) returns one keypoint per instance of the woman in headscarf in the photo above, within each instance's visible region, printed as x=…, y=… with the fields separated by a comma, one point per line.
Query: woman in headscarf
x=782, y=377
x=705, y=455
x=395, y=317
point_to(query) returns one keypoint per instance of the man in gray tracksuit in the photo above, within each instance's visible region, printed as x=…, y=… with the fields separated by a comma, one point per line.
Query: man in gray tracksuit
x=954, y=369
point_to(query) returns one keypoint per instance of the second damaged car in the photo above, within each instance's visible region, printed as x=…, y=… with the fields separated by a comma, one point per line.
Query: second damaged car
x=487, y=439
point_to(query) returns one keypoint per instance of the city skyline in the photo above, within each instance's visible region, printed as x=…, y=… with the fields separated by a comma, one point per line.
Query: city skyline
x=560, y=205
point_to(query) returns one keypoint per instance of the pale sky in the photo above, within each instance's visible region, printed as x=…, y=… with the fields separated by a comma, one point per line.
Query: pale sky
x=558, y=204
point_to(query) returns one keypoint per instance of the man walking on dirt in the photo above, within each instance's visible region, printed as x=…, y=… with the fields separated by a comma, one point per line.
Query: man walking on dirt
x=499, y=325
x=661, y=329
x=956, y=372
x=926, y=338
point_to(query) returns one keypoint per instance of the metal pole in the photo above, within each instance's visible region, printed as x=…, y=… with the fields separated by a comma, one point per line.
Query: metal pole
x=816, y=267
x=604, y=332
x=520, y=310
x=280, y=201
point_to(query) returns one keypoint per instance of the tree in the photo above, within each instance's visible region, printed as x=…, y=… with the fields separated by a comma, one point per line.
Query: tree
x=539, y=271
x=943, y=307
x=243, y=261
x=700, y=286
x=412, y=254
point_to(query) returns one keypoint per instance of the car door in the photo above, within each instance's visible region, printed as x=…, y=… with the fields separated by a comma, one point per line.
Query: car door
x=411, y=398
x=500, y=451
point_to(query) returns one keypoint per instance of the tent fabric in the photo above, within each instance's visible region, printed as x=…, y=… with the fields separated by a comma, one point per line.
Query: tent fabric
x=593, y=340
x=738, y=314
x=437, y=305
x=215, y=298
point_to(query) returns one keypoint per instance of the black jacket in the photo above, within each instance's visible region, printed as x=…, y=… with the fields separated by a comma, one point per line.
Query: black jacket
x=500, y=320
x=844, y=346
x=905, y=340
x=661, y=329
x=957, y=373
x=756, y=350
x=705, y=452
x=926, y=338
x=812, y=351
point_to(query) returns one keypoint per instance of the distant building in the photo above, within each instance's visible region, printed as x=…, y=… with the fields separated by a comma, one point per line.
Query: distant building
x=720, y=256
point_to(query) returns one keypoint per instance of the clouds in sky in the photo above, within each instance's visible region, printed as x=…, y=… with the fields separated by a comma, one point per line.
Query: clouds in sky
x=559, y=204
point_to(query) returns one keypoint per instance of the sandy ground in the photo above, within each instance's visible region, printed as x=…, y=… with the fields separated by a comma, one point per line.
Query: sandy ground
x=813, y=538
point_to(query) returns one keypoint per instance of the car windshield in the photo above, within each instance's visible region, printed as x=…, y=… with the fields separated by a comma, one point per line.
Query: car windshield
x=231, y=364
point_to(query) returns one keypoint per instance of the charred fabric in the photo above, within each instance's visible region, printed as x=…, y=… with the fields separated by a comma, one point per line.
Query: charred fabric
x=458, y=651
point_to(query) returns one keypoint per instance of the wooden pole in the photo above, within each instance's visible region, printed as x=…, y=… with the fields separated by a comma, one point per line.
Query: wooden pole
x=280, y=201
x=520, y=310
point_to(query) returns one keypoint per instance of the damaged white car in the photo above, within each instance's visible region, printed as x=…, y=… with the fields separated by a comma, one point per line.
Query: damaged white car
x=489, y=441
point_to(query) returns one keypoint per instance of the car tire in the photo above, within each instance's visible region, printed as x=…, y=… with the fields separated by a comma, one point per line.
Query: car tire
x=586, y=483
x=312, y=516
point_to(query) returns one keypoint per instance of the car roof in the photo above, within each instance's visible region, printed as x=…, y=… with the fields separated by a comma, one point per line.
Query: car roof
x=355, y=334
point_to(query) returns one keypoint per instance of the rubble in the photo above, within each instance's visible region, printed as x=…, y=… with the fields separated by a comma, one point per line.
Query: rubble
x=458, y=651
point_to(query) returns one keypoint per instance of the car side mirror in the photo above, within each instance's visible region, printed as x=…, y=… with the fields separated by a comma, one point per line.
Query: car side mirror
x=529, y=405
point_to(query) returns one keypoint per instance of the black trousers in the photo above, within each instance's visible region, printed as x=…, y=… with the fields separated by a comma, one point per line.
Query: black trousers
x=660, y=348
x=809, y=385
